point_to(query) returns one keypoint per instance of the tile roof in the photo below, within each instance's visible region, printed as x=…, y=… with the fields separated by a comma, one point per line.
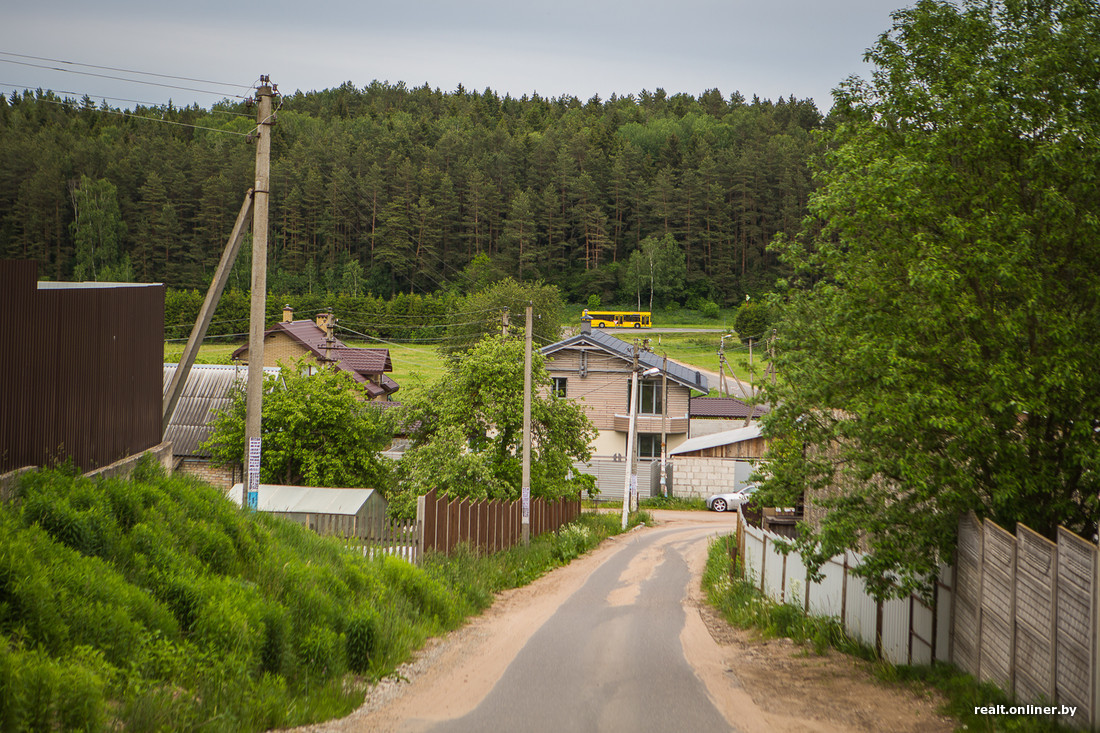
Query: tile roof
x=723, y=407
x=360, y=363
x=677, y=372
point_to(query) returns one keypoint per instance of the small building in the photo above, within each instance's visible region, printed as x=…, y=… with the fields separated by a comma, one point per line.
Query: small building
x=290, y=340
x=595, y=368
x=717, y=462
x=327, y=511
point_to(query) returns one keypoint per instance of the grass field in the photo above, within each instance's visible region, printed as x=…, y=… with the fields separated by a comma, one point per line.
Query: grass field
x=417, y=363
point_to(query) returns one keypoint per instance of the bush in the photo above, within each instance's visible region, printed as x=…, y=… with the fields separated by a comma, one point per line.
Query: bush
x=751, y=322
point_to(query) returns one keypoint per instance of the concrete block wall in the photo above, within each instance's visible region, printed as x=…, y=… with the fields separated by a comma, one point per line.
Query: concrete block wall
x=698, y=478
x=204, y=470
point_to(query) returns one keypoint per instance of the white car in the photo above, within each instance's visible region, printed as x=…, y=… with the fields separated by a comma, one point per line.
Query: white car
x=729, y=501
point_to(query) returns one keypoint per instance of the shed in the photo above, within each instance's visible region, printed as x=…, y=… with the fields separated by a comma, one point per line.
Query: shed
x=719, y=462
x=327, y=511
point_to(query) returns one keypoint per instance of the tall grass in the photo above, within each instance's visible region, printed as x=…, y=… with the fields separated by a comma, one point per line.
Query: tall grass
x=742, y=605
x=156, y=604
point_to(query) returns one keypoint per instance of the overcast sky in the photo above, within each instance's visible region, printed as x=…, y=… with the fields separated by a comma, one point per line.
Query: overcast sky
x=771, y=48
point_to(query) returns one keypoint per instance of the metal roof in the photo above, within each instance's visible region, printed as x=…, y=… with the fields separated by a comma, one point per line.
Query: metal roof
x=209, y=387
x=727, y=437
x=677, y=372
x=307, y=499
x=723, y=407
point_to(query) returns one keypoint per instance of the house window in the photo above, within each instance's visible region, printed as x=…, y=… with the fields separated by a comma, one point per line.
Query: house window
x=559, y=386
x=649, y=445
x=649, y=398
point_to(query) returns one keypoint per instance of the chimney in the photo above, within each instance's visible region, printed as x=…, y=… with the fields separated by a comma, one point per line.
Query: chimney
x=288, y=314
x=586, y=326
x=326, y=321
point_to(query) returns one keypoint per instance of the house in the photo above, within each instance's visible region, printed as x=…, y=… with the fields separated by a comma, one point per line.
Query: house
x=290, y=340
x=594, y=368
x=716, y=462
x=209, y=388
x=328, y=511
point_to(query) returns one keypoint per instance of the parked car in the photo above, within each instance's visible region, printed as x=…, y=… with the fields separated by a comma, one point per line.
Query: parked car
x=729, y=501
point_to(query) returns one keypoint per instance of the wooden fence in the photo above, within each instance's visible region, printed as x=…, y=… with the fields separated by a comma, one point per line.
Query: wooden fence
x=400, y=539
x=490, y=526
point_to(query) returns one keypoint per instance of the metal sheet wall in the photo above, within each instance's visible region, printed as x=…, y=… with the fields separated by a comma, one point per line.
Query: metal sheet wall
x=80, y=371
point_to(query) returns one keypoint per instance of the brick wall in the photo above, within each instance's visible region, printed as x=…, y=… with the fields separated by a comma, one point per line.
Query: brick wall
x=204, y=470
x=694, y=477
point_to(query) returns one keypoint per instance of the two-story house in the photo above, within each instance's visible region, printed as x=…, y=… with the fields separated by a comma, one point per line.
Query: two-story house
x=595, y=368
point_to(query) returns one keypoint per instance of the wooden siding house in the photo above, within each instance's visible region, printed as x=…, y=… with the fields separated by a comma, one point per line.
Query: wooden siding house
x=594, y=368
x=290, y=340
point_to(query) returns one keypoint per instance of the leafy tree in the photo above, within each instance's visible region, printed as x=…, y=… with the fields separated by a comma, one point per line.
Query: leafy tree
x=317, y=430
x=481, y=314
x=657, y=266
x=97, y=233
x=467, y=431
x=751, y=322
x=939, y=346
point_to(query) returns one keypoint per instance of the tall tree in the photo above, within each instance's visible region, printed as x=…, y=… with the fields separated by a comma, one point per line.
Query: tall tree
x=938, y=355
x=97, y=232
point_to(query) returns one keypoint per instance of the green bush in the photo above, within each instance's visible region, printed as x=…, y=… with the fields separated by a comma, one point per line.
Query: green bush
x=361, y=639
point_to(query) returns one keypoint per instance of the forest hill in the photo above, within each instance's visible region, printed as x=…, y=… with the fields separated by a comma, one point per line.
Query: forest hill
x=389, y=189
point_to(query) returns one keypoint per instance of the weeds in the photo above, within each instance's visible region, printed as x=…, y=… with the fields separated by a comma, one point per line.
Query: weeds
x=155, y=604
x=742, y=605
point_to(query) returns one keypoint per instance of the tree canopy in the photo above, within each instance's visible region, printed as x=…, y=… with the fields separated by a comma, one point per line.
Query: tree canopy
x=316, y=430
x=938, y=344
x=466, y=430
x=414, y=184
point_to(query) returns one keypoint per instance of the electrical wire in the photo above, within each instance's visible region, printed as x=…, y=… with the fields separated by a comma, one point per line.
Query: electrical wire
x=121, y=113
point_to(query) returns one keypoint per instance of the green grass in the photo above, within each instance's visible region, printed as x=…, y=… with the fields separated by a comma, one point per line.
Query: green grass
x=209, y=353
x=673, y=502
x=156, y=604
x=742, y=605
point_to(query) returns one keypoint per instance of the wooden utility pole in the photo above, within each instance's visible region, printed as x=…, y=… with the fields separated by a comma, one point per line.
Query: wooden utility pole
x=525, y=488
x=202, y=323
x=504, y=324
x=260, y=196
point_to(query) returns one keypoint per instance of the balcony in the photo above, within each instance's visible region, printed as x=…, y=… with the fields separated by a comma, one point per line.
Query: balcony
x=652, y=424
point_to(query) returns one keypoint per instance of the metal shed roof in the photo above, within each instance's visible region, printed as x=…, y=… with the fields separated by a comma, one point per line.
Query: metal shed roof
x=308, y=499
x=714, y=440
x=646, y=359
x=209, y=387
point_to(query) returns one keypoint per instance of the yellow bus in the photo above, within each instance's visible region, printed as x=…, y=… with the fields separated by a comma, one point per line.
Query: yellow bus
x=617, y=319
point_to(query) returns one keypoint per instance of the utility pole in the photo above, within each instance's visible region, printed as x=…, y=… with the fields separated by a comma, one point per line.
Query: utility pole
x=632, y=472
x=260, y=196
x=664, y=425
x=525, y=488
x=504, y=324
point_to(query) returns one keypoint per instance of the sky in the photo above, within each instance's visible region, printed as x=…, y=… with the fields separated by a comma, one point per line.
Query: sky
x=202, y=51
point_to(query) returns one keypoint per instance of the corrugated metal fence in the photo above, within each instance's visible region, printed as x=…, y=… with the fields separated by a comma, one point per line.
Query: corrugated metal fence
x=1020, y=611
x=81, y=375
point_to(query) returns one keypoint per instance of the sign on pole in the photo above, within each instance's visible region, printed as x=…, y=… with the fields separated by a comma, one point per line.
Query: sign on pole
x=253, y=501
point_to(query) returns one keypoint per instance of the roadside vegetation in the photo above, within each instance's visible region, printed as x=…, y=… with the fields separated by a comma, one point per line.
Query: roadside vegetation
x=156, y=604
x=743, y=606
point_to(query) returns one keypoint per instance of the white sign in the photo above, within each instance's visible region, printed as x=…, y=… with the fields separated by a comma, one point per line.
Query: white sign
x=253, y=473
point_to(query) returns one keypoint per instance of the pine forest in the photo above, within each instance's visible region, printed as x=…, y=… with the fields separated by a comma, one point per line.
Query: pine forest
x=388, y=189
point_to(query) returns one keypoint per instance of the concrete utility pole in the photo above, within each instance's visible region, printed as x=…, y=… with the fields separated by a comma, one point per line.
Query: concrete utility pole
x=260, y=197
x=504, y=324
x=632, y=466
x=525, y=487
x=664, y=424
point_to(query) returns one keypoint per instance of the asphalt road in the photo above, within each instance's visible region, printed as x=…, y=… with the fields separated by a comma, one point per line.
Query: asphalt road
x=610, y=658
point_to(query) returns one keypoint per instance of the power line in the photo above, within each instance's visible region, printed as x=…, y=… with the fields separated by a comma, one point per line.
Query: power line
x=122, y=78
x=123, y=113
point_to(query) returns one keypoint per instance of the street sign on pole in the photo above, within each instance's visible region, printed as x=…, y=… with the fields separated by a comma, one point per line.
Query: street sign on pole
x=252, y=501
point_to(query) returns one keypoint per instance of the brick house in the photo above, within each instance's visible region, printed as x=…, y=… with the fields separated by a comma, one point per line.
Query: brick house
x=290, y=340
